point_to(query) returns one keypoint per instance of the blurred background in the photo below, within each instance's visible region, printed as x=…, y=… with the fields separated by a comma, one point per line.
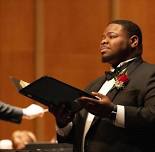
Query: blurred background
x=60, y=38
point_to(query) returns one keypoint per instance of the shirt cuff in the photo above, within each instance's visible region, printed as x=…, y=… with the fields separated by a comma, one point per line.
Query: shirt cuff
x=120, y=116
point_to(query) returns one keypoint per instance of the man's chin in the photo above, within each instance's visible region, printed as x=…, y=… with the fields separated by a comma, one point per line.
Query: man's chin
x=106, y=59
x=111, y=60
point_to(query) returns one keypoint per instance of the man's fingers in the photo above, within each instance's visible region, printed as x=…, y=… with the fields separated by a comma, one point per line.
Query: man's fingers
x=89, y=100
x=98, y=95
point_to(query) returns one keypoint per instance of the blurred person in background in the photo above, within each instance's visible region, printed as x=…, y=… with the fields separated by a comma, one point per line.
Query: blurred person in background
x=19, y=139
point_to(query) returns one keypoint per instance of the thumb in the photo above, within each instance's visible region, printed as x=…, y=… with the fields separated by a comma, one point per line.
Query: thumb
x=98, y=95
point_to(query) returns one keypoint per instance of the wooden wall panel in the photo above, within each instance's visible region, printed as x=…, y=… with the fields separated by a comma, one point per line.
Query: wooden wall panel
x=142, y=12
x=72, y=36
x=16, y=55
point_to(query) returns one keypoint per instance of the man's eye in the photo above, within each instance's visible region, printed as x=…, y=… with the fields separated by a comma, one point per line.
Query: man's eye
x=112, y=36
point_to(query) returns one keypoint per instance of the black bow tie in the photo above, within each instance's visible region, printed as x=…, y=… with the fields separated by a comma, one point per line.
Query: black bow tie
x=111, y=74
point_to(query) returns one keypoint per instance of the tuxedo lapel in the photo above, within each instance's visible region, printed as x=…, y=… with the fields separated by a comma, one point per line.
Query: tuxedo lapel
x=112, y=93
x=96, y=118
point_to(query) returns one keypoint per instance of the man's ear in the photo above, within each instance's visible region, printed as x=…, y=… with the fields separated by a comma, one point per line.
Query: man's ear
x=134, y=41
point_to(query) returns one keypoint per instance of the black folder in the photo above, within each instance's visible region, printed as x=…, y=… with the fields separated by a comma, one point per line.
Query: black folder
x=50, y=91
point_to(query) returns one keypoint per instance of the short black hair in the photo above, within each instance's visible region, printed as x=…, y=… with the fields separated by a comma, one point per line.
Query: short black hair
x=131, y=28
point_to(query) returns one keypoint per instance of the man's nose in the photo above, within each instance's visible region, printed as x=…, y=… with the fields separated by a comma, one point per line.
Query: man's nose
x=104, y=41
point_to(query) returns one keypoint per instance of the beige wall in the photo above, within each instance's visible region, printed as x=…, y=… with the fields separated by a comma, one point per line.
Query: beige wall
x=60, y=38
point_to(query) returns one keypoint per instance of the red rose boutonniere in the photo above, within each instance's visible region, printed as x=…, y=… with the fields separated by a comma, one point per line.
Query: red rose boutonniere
x=121, y=80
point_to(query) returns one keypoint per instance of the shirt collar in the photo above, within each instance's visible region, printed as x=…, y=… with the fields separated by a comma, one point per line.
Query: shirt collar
x=122, y=63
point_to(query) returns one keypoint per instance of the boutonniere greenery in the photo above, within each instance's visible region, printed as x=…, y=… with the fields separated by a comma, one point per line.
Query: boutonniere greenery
x=121, y=80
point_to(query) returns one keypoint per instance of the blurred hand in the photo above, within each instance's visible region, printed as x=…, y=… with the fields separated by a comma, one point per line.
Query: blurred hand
x=33, y=111
x=102, y=106
x=62, y=114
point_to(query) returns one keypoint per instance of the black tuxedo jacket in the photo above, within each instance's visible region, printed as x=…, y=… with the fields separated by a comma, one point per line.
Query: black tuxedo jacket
x=10, y=113
x=138, y=98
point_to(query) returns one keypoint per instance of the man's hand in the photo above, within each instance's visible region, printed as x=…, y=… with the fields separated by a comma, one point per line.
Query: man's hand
x=33, y=111
x=102, y=106
x=62, y=115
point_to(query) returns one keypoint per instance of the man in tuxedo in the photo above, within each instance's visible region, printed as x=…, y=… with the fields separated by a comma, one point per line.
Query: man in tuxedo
x=122, y=116
x=16, y=114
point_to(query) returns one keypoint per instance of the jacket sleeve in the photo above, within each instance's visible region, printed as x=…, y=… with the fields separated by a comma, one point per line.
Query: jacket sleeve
x=10, y=113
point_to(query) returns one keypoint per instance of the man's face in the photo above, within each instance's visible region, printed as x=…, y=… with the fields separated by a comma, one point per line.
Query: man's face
x=114, y=46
